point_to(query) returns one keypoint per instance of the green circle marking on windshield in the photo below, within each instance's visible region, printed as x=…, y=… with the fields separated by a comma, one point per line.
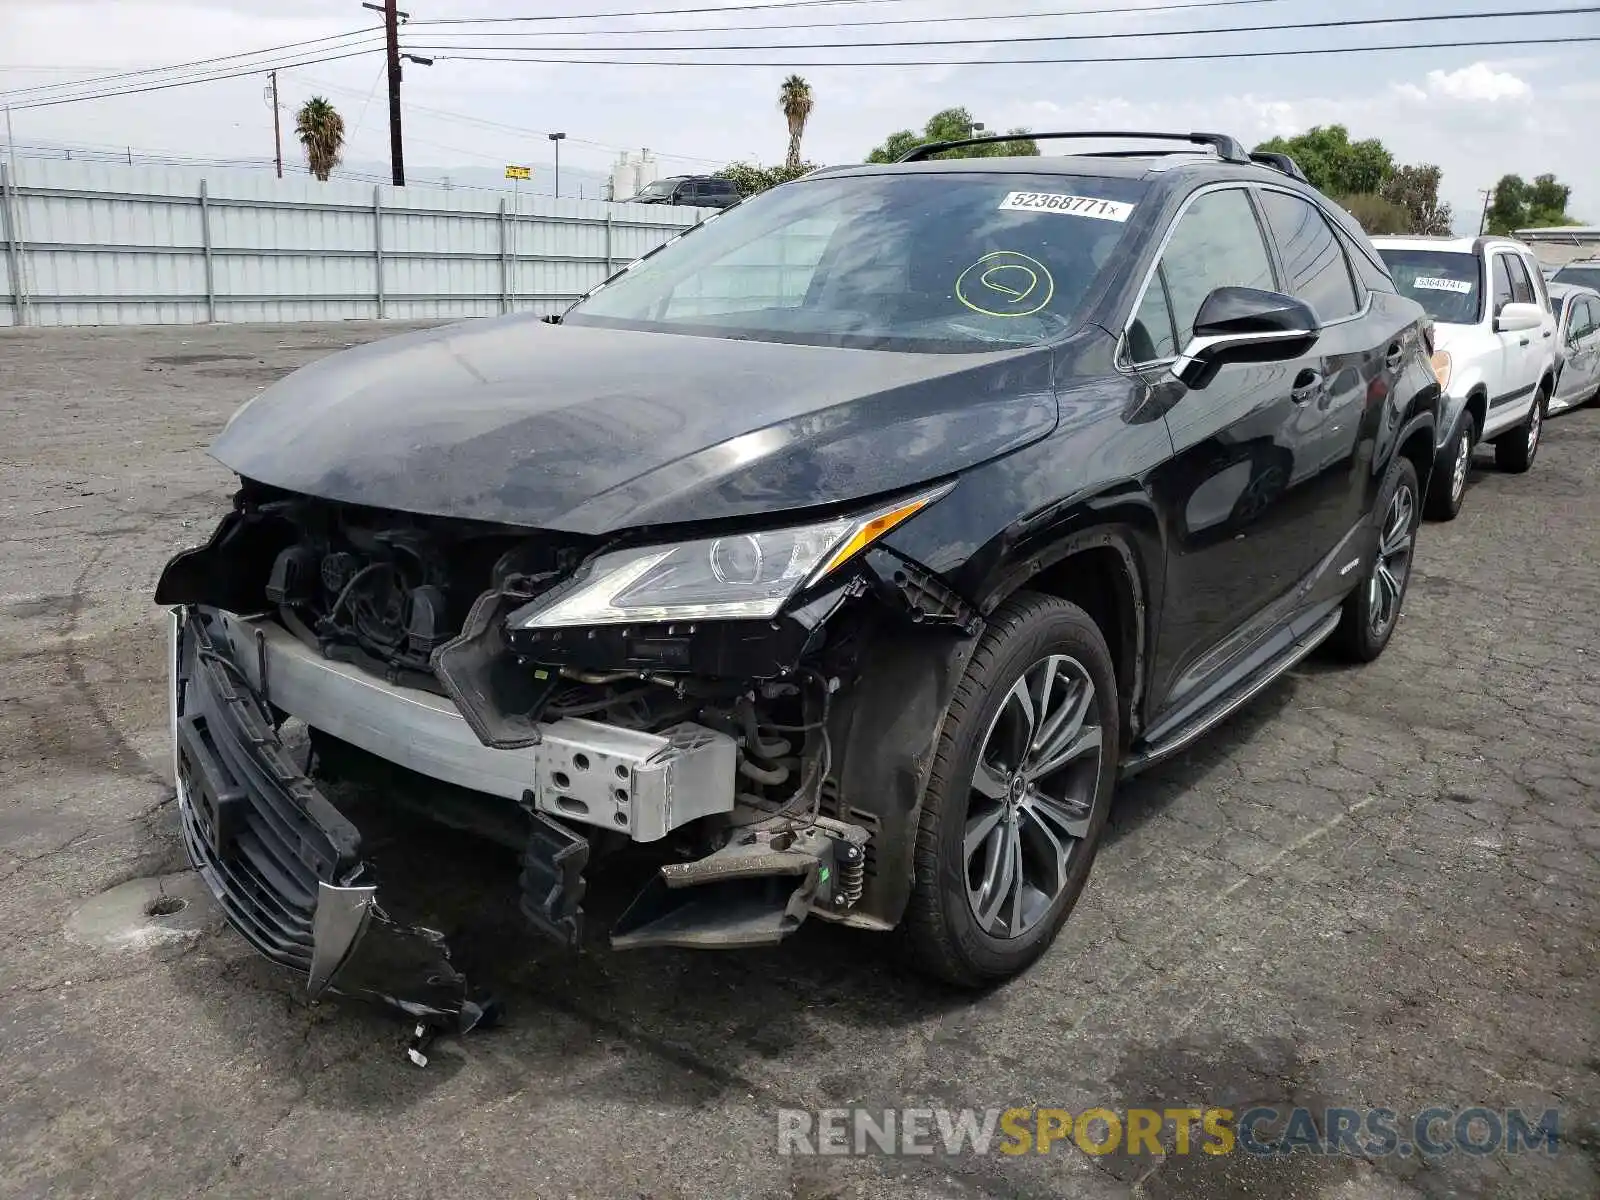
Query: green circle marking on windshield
x=1004, y=283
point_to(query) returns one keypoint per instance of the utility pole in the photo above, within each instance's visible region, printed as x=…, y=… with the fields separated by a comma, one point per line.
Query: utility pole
x=556, y=138
x=392, y=17
x=277, y=134
x=1483, y=221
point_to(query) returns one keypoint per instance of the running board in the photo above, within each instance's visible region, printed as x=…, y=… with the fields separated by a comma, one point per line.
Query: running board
x=1169, y=746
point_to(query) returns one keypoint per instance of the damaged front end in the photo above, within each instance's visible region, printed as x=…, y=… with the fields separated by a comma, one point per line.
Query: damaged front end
x=282, y=862
x=768, y=744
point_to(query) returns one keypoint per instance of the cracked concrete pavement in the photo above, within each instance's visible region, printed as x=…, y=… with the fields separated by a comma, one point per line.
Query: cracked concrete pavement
x=1372, y=888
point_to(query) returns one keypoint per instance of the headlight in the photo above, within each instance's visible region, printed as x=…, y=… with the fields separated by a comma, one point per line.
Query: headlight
x=737, y=576
x=1441, y=368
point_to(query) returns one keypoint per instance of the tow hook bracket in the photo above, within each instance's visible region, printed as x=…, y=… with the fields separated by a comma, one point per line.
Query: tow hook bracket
x=552, y=878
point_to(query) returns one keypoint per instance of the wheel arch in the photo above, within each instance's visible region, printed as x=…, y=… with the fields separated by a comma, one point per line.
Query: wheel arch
x=1105, y=556
x=1101, y=554
x=1477, y=406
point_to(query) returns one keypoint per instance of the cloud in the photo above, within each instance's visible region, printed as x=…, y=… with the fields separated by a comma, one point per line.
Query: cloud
x=1477, y=82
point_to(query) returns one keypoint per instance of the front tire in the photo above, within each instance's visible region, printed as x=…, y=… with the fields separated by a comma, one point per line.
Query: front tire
x=1372, y=610
x=1018, y=795
x=1449, y=484
x=1514, y=451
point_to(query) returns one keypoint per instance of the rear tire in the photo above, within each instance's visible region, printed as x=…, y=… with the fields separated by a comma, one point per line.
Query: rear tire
x=996, y=810
x=1448, y=487
x=1372, y=610
x=1515, y=450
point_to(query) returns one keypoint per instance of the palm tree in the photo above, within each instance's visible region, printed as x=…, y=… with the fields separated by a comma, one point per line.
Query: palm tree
x=795, y=102
x=321, y=131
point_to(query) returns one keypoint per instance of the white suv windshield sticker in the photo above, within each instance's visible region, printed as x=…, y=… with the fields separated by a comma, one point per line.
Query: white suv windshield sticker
x=1429, y=284
x=1075, y=206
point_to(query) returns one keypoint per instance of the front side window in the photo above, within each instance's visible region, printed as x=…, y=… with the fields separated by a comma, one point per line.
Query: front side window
x=1585, y=317
x=1502, y=283
x=1318, y=272
x=1217, y=243
x=1448, y=285
x=937, y=263
x=1521, y=286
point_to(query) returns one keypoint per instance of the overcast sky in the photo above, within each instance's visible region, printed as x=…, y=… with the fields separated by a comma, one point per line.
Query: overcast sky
x=1478, y=112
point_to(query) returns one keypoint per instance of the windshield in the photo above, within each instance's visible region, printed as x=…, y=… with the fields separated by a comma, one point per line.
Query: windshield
x=1448, y=286
x=1585, y=276
x=661, y=187
x=935, y=263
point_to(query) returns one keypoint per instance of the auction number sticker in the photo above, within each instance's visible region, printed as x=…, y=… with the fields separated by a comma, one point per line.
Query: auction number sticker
x=1074, y=206
x=1429, y=284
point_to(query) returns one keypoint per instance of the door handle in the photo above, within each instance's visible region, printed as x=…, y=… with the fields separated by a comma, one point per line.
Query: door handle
x=1307, y=385
x=1547, y=333
x=1523, y=342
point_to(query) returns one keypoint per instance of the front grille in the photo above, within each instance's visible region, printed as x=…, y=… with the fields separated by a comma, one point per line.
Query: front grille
x=255, y=827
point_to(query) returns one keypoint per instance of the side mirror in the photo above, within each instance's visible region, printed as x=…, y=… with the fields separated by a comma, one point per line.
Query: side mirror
x=1239, y=324
x=1514, y=318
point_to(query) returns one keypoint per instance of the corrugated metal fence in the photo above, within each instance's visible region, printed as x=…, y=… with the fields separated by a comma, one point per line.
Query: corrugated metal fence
x=98, y=244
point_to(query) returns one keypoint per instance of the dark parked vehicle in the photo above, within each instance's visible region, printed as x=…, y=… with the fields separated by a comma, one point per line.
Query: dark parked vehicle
x=844, y=552
x=700, y=191
x=1583, y=272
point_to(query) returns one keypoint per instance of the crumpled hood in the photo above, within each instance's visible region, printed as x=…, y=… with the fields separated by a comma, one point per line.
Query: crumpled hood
x=591, y=430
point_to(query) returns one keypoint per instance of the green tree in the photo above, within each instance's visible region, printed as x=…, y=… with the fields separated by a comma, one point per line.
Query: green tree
x=320, y=129
x=1334, y=164
x=751, y=178
x=795, y=102
x=953, y=124
x=1416, y=190
x=1517, y=204
x=1376, y=214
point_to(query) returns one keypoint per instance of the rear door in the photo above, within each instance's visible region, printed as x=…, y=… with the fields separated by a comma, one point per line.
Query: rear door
x=1241, y=495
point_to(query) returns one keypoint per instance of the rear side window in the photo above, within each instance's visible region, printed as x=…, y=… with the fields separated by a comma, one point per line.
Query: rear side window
x=1502, y=283
x=717, y=187
x=1318, y=272
x=1217, y=243
x=1521, y=286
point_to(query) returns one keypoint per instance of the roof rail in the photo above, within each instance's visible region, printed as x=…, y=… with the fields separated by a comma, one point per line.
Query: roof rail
x=1227, y=148
x=1271, y=158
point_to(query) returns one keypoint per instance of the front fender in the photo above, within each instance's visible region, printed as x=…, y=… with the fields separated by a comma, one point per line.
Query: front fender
x=885, y=732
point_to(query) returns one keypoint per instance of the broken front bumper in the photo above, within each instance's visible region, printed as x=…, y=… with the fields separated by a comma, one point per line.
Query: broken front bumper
x=283, y=864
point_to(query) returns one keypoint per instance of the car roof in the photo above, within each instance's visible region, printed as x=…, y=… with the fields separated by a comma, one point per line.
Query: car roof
x=1559, y=290
x=1449, y=245
x=1106, y=166
x=1577, y=262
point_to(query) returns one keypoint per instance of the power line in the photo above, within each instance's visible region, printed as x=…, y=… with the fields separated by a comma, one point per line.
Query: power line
x=650, y=12
x=722, y=28
x=254, y=69
x=1009, y=62
x=1020, y=39
x=485, y=123
x=96, y=81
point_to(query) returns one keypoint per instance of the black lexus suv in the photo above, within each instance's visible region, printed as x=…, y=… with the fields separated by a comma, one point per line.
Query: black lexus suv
x=842, y=553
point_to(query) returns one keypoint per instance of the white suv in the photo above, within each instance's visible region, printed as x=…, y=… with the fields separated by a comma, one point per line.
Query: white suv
x=1495, y=349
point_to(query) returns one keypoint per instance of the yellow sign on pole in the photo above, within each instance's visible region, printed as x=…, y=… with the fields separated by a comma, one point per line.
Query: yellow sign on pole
x=519, y=172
